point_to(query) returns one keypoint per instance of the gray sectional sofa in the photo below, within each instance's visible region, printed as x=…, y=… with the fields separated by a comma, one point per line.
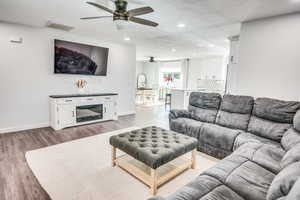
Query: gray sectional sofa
x=259, y=140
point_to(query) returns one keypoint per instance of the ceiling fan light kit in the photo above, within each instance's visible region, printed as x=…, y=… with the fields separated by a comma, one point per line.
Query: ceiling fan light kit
x=121, y=14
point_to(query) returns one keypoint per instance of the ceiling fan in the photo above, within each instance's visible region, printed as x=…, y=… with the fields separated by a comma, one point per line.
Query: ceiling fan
x=121, y=14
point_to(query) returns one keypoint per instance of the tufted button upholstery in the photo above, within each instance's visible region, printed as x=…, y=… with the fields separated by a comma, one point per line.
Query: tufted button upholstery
x=154, y=146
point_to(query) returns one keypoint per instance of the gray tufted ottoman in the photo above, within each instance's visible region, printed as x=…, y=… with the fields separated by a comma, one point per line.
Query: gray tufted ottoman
x=154, y=147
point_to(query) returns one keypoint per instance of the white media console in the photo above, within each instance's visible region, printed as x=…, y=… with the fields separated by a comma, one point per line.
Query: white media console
x=74, y=110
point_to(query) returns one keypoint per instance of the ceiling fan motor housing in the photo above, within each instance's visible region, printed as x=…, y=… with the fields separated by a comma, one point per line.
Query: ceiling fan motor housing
x=121, y=9
x=121, y=6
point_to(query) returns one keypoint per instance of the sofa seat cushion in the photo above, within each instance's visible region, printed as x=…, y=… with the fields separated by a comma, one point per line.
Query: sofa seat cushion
x=284, y=181
x=246, y=137
x=205, y=188
x=225, y=167
x=204, y=106
x=235, y=111
x=247, y=178
x=250, y=180
x=267, y=156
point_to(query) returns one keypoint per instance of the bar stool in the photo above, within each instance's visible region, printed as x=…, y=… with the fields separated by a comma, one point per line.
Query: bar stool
x=168, y=100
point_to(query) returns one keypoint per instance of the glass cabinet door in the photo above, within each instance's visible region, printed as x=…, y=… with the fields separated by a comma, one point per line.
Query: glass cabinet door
x=89, y=113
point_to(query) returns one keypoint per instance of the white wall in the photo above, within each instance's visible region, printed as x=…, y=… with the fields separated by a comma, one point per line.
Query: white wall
x=139, y=70
x=139, y=67
x=269, y=60
x=206, y=68
x=152, y=73
x=27, y=79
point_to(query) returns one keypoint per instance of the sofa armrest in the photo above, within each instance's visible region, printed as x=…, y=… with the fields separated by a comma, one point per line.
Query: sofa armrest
x=174, y=114
x=157, y=198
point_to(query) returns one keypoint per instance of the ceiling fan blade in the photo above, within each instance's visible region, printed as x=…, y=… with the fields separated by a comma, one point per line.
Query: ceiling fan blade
x=140, y=11
x=101, y=7
x=99, y=17
x=143, y=21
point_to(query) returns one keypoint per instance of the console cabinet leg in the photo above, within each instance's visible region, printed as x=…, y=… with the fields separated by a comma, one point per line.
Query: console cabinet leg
x=113, y=155
x=154, y=178
x=193, y=163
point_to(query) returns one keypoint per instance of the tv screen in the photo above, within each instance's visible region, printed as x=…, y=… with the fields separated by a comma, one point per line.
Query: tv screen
x=75, y=58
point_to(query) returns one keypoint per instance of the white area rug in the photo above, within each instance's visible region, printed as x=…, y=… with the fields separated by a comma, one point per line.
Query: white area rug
x=81, y=170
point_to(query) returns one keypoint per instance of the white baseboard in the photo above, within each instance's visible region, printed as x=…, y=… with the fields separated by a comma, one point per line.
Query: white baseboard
x=24, y=127
x=41, y=125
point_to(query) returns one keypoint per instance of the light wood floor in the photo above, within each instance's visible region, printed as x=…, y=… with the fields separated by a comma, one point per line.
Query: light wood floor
x=16, y=179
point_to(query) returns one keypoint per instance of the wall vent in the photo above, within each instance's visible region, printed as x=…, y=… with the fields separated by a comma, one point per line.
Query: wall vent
x=59, y=26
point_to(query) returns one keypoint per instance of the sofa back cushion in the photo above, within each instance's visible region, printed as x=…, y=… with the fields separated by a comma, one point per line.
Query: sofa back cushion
x=204, y=106
x=235, y=111
x=276, y=110
x=290, y=139
x=284, y=182
x=271, y=118
x=297, y=121
x=290, y=157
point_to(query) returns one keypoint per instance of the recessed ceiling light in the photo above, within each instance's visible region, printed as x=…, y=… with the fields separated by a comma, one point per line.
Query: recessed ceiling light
x=173, y=50
x=180, y=25
x=127, y=38
x=211, y=45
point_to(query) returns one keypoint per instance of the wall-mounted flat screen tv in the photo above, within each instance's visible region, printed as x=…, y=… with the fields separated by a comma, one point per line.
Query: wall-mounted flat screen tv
x=76, y=58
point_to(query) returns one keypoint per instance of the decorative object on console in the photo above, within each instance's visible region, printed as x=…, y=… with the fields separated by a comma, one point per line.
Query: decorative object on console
x=81, y=83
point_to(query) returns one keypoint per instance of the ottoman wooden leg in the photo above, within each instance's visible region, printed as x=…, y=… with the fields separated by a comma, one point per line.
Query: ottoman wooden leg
x=193, y=164
x=113, y=155
x=154, y=178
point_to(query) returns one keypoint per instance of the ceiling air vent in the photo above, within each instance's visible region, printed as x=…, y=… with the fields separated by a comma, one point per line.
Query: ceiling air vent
x=59, y=26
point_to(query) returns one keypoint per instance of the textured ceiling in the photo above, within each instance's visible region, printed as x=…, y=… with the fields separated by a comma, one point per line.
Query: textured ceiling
x=208, y=22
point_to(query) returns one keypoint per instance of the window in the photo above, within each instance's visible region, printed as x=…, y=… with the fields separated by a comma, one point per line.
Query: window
x=170, y=75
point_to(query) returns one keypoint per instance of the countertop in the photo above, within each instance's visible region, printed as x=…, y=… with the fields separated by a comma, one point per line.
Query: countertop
x=82, y=95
